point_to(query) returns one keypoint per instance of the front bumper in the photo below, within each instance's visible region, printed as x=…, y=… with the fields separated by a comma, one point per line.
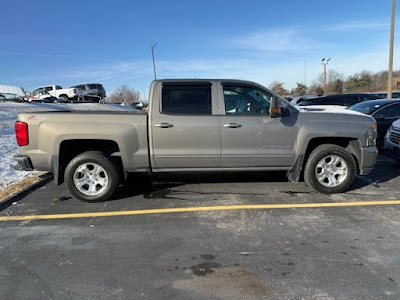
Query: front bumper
x=391, y=149
x=368, y=159
x=24, y=162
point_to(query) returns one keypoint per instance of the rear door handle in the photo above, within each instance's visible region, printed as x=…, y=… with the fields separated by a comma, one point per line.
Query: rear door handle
x=232, y=125
x=164, y=125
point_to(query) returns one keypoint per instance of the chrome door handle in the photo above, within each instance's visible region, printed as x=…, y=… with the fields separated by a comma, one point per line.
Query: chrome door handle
x=232, y=125
x=164, y=125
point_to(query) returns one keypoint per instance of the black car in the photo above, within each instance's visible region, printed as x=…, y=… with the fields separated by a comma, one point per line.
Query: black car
x=384, y=111
x=384, y=95
x=340, y=99
x=92, y=91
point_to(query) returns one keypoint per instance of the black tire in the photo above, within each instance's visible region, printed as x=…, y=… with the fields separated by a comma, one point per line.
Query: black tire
x=111, y=171
x=320, y=153
x=64, y=97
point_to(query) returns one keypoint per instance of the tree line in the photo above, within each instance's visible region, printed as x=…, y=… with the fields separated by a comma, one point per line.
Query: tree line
x=337, y=83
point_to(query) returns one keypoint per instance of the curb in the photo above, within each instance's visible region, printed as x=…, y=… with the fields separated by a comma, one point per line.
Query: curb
x=43, y=180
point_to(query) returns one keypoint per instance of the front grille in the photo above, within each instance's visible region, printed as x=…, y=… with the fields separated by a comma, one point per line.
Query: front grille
x=394, y=137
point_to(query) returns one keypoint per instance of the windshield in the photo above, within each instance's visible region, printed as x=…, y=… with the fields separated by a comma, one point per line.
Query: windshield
x=365, y=107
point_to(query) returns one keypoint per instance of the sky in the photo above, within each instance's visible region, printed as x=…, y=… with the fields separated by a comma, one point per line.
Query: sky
x=71, y=42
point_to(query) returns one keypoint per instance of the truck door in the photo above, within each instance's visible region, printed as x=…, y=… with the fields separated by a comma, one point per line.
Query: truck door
x=185, y=130
x=249, y=137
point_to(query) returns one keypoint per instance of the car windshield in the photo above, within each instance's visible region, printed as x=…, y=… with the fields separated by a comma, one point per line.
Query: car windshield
x=366, y=107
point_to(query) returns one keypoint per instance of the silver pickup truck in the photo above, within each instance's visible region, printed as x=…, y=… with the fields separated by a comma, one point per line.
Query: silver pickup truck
x=198, y=126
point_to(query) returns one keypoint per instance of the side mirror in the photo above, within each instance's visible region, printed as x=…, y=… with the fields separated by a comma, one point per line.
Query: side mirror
x=274, y=110
x=379, y=116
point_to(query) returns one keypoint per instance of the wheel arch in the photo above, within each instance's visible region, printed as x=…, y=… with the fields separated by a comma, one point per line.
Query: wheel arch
x=352, y=145
x=71, y=148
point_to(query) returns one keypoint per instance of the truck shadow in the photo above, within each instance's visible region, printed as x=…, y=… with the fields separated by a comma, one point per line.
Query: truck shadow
x=385, y=170
x=159, y=186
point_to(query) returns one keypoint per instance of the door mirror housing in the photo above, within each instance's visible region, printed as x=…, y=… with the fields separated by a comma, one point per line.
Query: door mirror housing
x=274, y=110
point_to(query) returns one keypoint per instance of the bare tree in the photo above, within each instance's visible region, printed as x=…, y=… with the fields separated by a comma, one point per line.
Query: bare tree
x=124, y=94
x=278, y=88
x=334, y=83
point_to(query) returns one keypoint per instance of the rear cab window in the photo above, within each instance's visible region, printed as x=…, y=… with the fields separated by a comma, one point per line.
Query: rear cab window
x=186, y=99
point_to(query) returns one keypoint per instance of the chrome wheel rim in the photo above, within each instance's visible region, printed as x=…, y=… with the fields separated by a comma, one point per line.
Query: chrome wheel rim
x=90, y=179
x=331, y=171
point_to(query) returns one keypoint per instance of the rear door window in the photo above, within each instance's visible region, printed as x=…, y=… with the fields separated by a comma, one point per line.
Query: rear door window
x=332, y=100
x=350, y=100
x=186, y=99
x=392, y=111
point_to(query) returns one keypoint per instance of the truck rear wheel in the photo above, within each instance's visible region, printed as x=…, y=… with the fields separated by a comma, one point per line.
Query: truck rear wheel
x=330, y=169
x=91, y=177
x=64, y=97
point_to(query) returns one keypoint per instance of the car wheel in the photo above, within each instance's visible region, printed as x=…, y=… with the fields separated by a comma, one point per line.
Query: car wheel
x=63, y=97
x=92, y=177
x=330, y=169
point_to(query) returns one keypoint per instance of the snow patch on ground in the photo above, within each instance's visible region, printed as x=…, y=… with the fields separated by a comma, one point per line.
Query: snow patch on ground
x=8, y=145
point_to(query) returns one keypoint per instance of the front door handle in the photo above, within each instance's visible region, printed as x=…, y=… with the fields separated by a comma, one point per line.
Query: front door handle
x=232, y=125
x=164, y=125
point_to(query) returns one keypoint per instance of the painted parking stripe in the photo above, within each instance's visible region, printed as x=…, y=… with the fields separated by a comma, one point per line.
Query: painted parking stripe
x=197, y=209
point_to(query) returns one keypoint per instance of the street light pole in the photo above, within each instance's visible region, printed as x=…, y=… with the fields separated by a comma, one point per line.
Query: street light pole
x=154, y=65
x=390, y=75
x=144, y=95
x=325, y=63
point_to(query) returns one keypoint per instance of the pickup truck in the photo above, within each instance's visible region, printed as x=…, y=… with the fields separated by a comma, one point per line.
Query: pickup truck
x=198, y=126
x=41, y=93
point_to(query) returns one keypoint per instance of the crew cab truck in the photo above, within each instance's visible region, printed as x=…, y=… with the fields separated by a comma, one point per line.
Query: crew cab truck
x=57, y=91
x=198, y=126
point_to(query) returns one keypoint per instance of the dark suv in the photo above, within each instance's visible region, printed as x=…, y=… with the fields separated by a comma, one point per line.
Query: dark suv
x=92, y=91
x=342, y=99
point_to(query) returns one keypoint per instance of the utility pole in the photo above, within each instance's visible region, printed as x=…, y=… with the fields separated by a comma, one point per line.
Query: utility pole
x=144, y=95
x=325, y=63
x=154, y=65
x=390, y=76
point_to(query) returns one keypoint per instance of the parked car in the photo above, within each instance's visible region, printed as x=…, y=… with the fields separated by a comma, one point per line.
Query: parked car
x=298, y=99
x=55, y=91
x=198, y=126
x=10, y=92
x=384, y=111
x=384, y=95
x=139, y=105
x=92, y=91
x=392, y=141
x=340, y=99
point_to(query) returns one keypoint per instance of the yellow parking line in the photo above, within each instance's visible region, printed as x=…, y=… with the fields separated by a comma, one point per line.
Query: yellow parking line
x=197, y=209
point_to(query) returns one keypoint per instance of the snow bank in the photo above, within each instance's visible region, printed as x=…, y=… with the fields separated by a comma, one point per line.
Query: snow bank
x=8, y=145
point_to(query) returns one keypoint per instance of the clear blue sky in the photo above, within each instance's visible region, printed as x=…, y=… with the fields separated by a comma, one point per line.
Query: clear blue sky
x=70, y=42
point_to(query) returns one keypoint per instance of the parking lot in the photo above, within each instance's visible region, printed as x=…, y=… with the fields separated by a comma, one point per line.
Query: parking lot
x=237, y=236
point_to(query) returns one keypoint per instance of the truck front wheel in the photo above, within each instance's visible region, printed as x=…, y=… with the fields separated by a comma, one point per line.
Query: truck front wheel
x=91, y=177
x=330, y=169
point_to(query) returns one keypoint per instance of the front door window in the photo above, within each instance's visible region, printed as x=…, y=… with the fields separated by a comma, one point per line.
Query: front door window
x=240, y=100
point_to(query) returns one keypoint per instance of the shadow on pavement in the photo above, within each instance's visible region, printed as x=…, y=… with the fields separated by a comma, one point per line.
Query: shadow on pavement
x=159, y=186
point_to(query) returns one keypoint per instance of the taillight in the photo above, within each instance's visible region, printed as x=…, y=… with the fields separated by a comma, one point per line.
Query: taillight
x=21, y=133
x=74, y=91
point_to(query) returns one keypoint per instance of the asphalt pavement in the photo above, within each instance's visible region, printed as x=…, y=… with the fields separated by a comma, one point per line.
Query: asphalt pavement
x=169, y=240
